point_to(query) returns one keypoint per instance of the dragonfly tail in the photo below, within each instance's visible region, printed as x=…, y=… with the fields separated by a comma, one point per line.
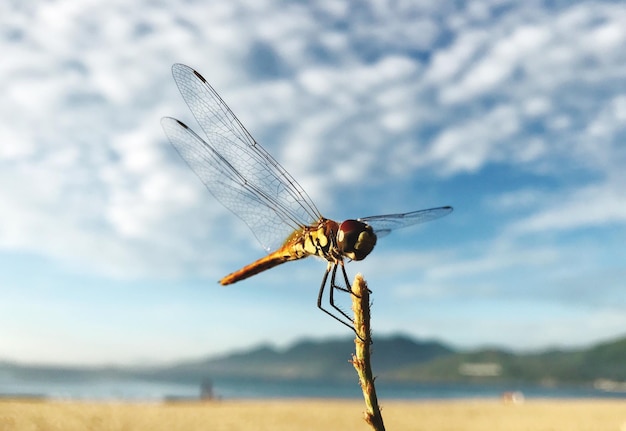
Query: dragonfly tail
x=270, y=261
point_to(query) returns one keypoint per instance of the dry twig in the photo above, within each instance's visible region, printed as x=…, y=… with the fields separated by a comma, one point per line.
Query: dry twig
x=361, y=359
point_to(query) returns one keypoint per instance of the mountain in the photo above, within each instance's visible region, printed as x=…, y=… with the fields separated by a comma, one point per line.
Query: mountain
x=309, y=359
x=605, y=361
x=394, y=359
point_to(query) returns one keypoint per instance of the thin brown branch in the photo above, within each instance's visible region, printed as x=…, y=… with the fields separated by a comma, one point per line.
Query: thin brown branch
x=361, y=359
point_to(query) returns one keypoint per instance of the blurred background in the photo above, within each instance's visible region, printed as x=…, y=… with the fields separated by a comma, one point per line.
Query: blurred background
x=512, y=112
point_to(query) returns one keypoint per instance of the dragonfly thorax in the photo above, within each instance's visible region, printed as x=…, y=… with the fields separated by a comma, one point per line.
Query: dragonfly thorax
x=355, y=239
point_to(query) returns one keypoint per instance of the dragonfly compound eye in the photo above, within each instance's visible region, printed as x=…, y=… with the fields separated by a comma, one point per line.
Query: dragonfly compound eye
x=355, y=239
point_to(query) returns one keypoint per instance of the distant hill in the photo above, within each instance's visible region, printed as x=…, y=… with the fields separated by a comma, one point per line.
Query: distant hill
x=309, y=359
x=553, y=367
x=395, y=358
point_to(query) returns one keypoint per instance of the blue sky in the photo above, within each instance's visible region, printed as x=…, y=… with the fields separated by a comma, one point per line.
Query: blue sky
x=512, y=112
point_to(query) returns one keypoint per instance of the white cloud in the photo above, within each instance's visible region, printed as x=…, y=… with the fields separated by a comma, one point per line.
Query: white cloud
x=521, y=199
x=499, y=62
x=448, y=63
x=590, y=206
x=84, y=143
x=470, y=145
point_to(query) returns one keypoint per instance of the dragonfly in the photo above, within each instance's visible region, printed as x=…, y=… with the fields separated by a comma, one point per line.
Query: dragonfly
x=249, y=182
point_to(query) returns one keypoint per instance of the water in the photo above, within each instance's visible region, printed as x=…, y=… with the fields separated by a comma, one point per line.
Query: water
x=141, y=390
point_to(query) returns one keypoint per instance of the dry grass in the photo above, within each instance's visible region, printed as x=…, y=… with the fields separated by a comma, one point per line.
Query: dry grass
x=312, y=415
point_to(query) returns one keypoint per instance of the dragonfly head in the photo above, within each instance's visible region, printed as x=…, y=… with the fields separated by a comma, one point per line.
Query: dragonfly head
x=355, y=239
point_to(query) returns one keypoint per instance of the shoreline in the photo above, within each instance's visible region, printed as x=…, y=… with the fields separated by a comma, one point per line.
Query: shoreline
x=504, y=398
x=313, y=414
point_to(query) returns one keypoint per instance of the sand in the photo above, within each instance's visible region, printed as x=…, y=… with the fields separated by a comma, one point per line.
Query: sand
x=279, y=415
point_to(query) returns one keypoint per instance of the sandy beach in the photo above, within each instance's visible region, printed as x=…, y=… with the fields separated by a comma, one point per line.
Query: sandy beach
x=278, y=415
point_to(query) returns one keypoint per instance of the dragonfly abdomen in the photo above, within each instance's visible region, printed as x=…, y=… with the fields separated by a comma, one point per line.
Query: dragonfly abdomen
x=265, y=263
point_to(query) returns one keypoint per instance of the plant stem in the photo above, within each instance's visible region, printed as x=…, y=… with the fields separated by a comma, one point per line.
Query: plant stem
x=361, y=359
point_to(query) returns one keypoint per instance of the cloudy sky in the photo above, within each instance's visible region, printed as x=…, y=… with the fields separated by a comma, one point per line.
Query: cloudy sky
x=512, y=112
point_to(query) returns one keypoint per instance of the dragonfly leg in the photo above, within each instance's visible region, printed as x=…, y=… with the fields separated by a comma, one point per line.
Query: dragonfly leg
x=345, y=277
x=335, y=286
x=347, y=321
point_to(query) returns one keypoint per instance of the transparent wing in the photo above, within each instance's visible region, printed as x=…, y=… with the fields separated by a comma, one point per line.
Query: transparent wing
x=384, y=224
x=237, y=171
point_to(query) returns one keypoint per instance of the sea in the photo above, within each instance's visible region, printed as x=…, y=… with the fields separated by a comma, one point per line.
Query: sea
x=142, y=390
